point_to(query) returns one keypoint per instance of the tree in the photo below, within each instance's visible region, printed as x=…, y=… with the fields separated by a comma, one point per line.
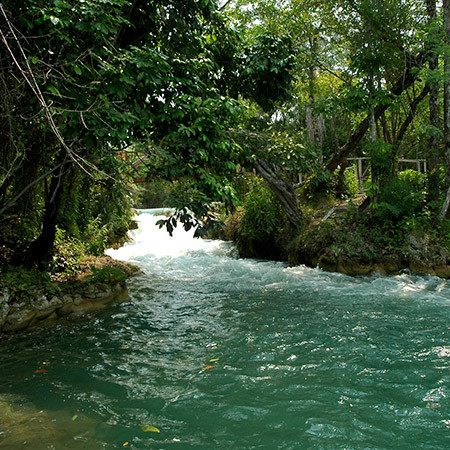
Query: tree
x=446, y=16
x=100, y=77
x=433, y=85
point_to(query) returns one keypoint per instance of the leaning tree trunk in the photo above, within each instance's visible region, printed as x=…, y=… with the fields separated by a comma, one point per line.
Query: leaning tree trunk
x=404, y=82
x=282, y=190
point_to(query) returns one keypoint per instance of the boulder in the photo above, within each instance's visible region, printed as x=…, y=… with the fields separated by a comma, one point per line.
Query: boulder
x=65, y=309
x=19, y=319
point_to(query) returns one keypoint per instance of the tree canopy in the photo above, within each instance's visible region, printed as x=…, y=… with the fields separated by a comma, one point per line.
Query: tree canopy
x=95, y=93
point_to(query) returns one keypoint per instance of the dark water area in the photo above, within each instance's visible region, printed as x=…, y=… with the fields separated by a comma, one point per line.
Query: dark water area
x=219, y=352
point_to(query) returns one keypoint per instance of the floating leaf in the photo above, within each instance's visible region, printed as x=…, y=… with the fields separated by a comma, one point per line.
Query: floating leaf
x=124, y=444
x=208, y=368
x=124, y=347
x=40, y=371
x=214, y=360
x=150, y=429
x=75, y=417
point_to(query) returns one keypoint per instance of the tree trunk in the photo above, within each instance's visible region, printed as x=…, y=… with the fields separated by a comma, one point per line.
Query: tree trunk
x=310, y=119
x=282, y=190
x=373, y=132
x=404, y=82
x=38, y=251
x=404, y=126
x=446, y=14
x=433, y=140
x=445, y=207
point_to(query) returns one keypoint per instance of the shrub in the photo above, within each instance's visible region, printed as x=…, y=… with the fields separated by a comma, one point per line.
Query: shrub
x=351, y=182
x=26, y=282
x=263, y=216
x=68, y=253
x=95, y=237
x=108, y=275
x=401, y=198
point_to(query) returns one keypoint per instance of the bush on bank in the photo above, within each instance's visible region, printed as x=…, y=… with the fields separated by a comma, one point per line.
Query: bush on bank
x=396, y=232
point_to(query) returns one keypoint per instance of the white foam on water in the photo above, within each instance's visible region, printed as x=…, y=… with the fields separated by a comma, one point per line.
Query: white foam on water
x=216, y=263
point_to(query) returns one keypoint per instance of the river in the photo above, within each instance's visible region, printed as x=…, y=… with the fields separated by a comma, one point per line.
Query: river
x=214, y=351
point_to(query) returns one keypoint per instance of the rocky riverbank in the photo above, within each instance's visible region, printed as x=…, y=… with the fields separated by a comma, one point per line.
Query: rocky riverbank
x=336, y=244
x=101, y=282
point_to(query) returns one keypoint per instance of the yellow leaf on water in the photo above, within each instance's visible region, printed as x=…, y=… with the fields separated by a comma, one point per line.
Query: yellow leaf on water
x=214, y=360
x=75, y=417
x=125, y=444
x=124, y=347
x=150, y=428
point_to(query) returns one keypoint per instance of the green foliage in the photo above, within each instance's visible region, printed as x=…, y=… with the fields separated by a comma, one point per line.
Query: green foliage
x=263, y=218
x=155, y=194
x=400, y=198
x=95, y=237
x=20, y=281
x=416, y=180
x=108, y=275
x=351, y=183
x=290, y=152
x=380, y=153
x=68, y=253
x=268, y=69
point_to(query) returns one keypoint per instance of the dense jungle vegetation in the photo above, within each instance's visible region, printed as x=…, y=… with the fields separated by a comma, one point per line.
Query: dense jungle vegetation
x=256, y=107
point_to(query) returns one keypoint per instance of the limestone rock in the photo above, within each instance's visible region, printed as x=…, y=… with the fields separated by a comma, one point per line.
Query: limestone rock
x=44, y=313
x=4, y=306
x=443, y=271
x=19, y=320
x=328, y=262
x=67, y=298
x=78, y=300
x=65, y=309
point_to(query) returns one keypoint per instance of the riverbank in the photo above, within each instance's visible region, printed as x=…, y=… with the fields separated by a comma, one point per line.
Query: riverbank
x=30, y=298
x=336, y=237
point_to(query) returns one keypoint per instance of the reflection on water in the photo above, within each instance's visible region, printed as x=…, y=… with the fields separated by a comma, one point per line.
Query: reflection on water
x=220, y=352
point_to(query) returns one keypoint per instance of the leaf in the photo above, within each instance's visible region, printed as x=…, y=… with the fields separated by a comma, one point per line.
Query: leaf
x=75, y=417
x=124, y=444
x=124, y=347
x=54, y=91
x=208, y=368
x=150, y=428
x=40, y=371
x=214, y=360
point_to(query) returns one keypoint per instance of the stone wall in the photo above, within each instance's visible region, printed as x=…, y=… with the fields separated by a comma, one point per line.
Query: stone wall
x=20, y=315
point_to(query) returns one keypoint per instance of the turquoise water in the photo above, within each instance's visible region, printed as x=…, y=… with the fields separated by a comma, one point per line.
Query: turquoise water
x=300, y=359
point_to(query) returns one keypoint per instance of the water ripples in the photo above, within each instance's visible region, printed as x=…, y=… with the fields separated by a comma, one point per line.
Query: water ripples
x=300, y=358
